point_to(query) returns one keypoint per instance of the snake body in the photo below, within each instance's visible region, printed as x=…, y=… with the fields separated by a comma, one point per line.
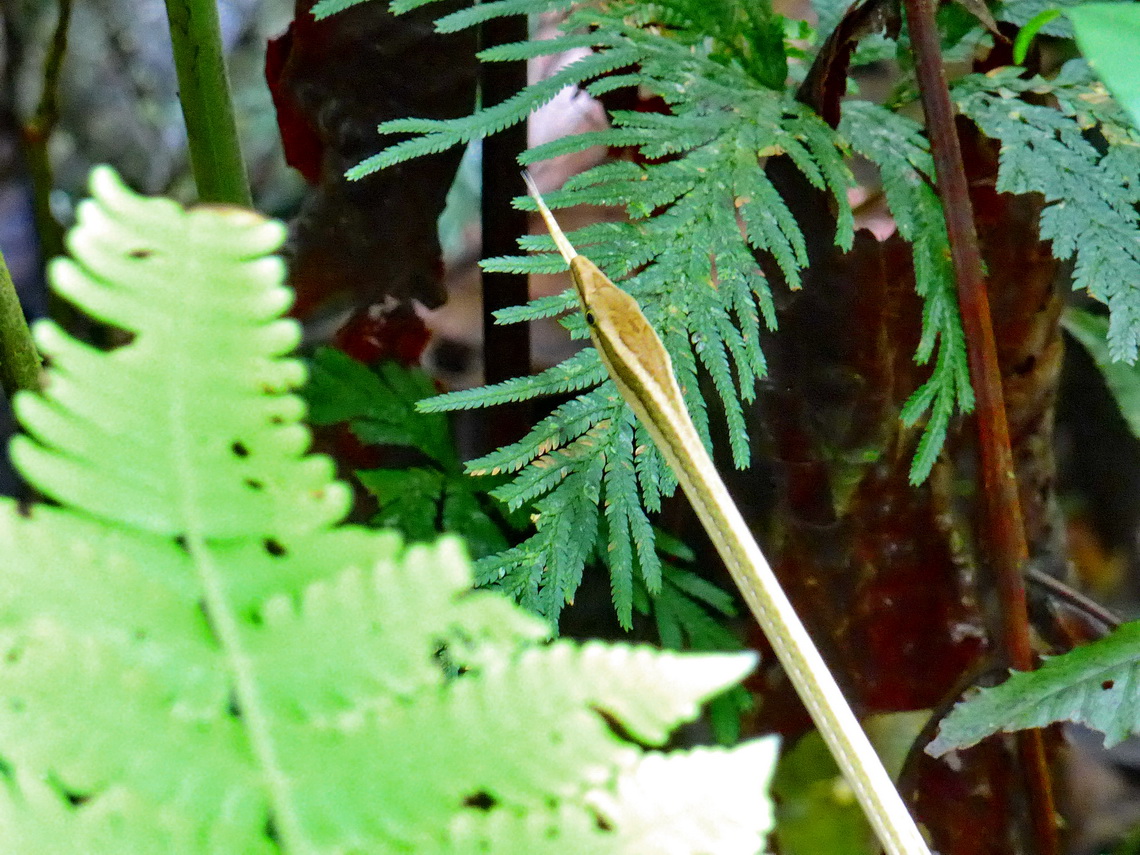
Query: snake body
x=641, y=369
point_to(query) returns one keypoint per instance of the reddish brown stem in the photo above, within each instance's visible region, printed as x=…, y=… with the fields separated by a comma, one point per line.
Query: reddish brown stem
x=1004, y=529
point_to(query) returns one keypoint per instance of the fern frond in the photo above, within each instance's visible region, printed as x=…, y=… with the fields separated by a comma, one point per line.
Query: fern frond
x=545, y=570
x=645, y=804
x=379, y=405
x=539, y=308
x=549, y=470
x=481, y=12
x=894, y=143
x=630, y=542
x=1095, y=685
x=194, y=658
x=654, y=476
x=1122, y=381
x=1091, y=195
x=690, y=614
x=703, y=209
x=518, y=51
x=323, y=8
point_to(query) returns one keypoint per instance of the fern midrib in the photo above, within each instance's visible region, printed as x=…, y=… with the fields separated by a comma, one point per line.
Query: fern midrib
x=224, y=622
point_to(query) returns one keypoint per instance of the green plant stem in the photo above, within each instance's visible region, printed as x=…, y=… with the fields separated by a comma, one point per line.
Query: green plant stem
x=19, y=361
x=204, y=90
x=1004, y=528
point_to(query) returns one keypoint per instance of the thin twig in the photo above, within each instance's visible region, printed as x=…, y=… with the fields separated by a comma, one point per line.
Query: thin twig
x=1004, y=528
x=1075, y=599
x=37, y=132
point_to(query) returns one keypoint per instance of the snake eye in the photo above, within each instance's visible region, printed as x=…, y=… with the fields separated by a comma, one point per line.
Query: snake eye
x=590, y=319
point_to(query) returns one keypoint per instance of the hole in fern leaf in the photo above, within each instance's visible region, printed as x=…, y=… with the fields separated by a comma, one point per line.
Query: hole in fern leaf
x=76, y=799
x=140, y=253
x=602, y=823
x=232, y=706
x=274, y=547
x=239, y=449
x=180, y=542
x=73, y=797
x=254, y=484
x=1107, y=684
x=481, y=800
x=24, y=508
x=271, y=829
x=443, y=659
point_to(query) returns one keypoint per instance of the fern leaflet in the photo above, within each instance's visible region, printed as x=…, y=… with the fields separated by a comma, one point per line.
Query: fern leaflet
x=1095, y=685
x=895, y=145
x=1091, y=194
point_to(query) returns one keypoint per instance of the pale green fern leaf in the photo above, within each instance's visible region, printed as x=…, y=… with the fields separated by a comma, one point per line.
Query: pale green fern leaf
x=655, y=789
x=194, y=658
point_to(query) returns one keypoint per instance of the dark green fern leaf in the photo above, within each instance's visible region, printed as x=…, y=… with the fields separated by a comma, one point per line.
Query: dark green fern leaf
x=702, y=209
x=580, y=371
x=690, y=614
x=1122, y=380
x=1091, y=192
x=430, y=494
x=378, y=404
x=895, y=145
x=1097, y=685
x=705, y=189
